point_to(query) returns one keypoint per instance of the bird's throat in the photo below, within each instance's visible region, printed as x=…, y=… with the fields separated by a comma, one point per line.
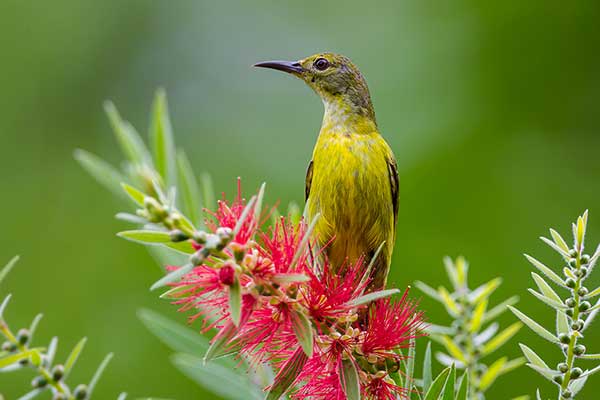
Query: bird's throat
x=343, y=118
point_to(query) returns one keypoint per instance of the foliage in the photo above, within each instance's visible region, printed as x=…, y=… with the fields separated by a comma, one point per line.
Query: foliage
x=574, y=312
x=473, y=333
x=17, y=353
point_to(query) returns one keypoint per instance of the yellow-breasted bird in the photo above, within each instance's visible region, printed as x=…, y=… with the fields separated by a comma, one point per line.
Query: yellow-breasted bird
x=352, y=180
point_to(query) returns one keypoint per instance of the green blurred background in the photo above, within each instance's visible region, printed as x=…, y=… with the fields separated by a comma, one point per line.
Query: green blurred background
x=491, y=108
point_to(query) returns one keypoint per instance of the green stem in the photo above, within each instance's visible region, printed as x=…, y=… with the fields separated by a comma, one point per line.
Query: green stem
x=570, y=357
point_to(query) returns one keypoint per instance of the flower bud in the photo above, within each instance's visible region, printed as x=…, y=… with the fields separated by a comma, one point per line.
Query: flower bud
x=572, y=253
x=564, y=338
x=58, y=372
x=573, y=263
x=59, y=396
x=177, y=236
x=583, y=291
x=577, y=325
x=576, y=372
x=562, y=367
x=9, y=347
x=224, y=233
x=569, y=312
x=584, y=306
x=198, y=257
x=570, y=282
x=579, y=350
x=81, y=392
x=23, y=336
x=566, y=394
x=227, y=275
x=585, y=259
x=200, y=237
x=570, y=302
x=558, y=379
x=39, y=382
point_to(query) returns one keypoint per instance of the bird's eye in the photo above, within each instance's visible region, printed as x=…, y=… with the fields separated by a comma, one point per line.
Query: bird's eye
x=321, y=64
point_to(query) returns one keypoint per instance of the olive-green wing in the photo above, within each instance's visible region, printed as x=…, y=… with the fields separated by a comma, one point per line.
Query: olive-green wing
x=308, y=181
x=393, y=176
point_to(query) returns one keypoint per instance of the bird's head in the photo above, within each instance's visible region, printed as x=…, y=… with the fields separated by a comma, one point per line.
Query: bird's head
x=333, y=77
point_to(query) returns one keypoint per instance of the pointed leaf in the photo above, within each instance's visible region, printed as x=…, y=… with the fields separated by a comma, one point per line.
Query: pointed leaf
x=463, y=390
x=562, y=323
x=546, y=271
x=534, y=326
x=370, y=297
x=303, y=330
x=98, y=374
x=489, y=377
x=448, y=301
x=500, y=308
x=427, y=372
x=560, y=242
x=350, y=381
x=13, y=358
x=287, y=375
x=453, y=349
x=534, y=359
x=501, y=338
x=477, y=317
x=130, y=141
x=590, y=356
x=136, y=195
x=161, y=138
x=555, y=305
x=173, y=276
x=6, y=269
x=222, y=344
x=428, y=290
x=437, y=385
x=486, y=335
x=73, y=356
x=450, y=385
x=190, y=190
x=485, y=290
x=576, y=385
x=545, y=288
x=451, y=272
x=144, y=236
x=104, y=173
x=4, y=305
x=235, y=301
x=560, y=251
x=223, y=381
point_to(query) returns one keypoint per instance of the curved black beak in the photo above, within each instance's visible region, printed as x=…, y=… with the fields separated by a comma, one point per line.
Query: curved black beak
x=285, y=66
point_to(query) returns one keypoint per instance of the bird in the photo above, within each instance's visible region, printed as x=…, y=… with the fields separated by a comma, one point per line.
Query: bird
x=352, y=178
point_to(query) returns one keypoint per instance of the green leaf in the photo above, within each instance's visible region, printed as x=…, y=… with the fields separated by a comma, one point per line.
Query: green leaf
x=410, y=367
x=189, y=188
x=576, y=385
x=178, y=337
x=427, y=372
x=6, y=269
x=287, y=375
x=581, y=228
x=560, y=242
x=303, y=330
x=453, y=349
x=240, y=222
x=13, y=358
x=548, y=301
x=130, y=141
x=220, y=380
x=546, y=271
x=259, y=201
x=173, y=276
x=98, y=374
x=33, y=326
x=448, y=302
x=451, y=272
x=489, y=377
x=161, y=137
x=429, y=291
x=235, y=301
x=545, y=288
x=512, y=365
x=221, y=345
x=477, y=318
x=134, y=194
x=208, y=191
x=594, y=293
x=560, y=251
x=500, y=308
x=501, y=338
x=546, y=373
x=463, y=390
x=184, y=247
x=534, y=359
x=350, y=381
x=304, y=242
x=437, y=385
x=145, y=237
x=104, y=173
x=485, y=290
x=534, y=326
x=368, y=298
x=450, y=385
x=4, y=304
x=590, y=356
x=74, y=355
x=462, y=268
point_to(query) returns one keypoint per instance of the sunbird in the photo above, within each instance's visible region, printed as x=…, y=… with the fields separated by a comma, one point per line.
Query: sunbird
x=352, y=179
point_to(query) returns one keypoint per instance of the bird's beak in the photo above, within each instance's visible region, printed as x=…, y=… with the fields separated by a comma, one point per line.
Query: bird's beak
x=285, y=66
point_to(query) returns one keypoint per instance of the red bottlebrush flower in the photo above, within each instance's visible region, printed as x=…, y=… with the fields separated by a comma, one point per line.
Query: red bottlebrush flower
x=382, y=388
x=226, y=275
x=281, y=246
x=391, y=325
x=227, y=216
x=328, y=296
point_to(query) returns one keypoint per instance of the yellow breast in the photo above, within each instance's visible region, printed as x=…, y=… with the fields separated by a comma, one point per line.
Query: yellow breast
x=351, y=190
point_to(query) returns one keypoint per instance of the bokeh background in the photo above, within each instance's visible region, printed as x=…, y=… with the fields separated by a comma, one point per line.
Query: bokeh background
x=493, y=111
